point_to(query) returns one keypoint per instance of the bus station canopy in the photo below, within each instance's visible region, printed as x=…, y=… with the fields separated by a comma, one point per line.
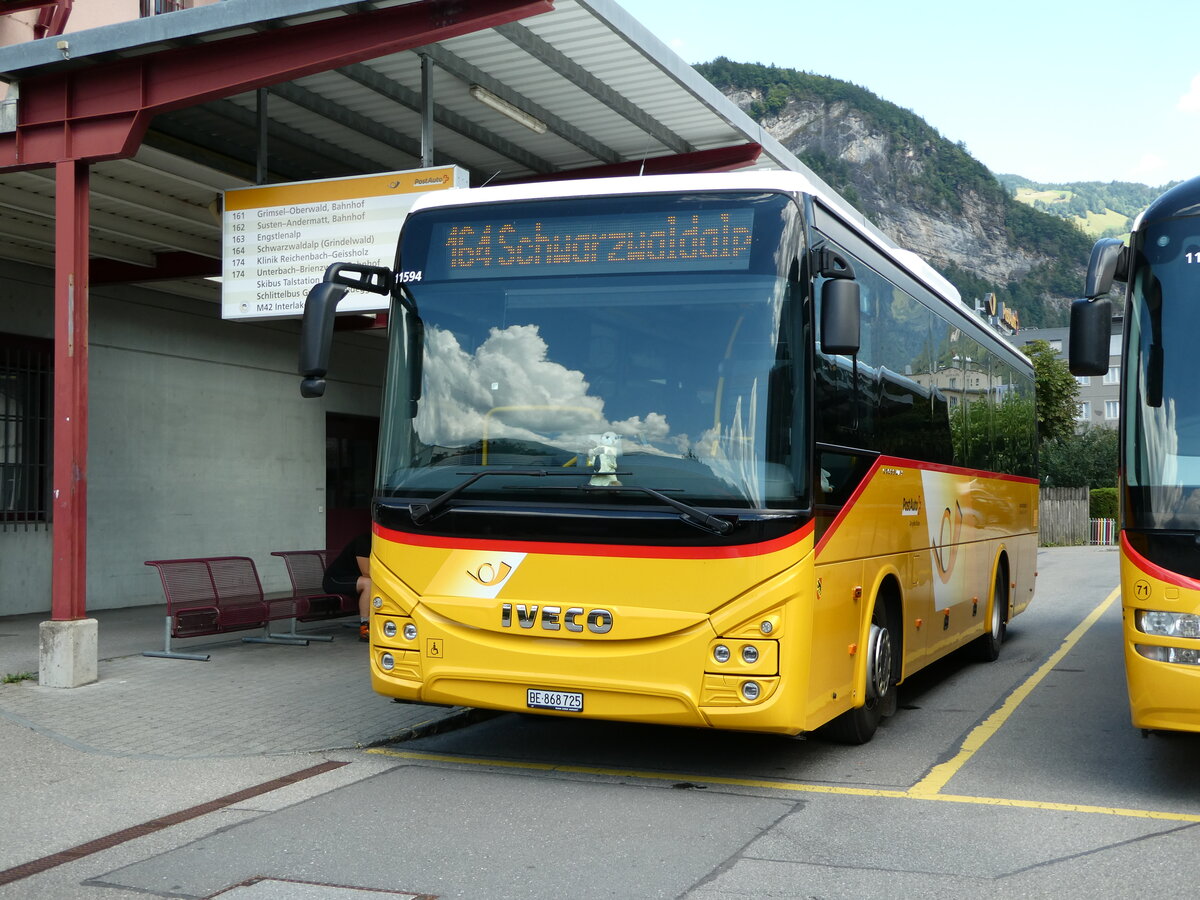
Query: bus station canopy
x=577, y=87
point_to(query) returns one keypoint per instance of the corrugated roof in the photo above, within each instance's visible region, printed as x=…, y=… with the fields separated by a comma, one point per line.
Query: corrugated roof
x=607, y=90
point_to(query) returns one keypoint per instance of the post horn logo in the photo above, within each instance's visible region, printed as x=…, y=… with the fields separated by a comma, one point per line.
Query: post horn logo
x=489, y=575
x=945, y=549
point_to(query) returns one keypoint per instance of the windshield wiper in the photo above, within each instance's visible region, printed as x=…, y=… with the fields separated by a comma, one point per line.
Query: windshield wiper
x=423, y=512
x=690, y=514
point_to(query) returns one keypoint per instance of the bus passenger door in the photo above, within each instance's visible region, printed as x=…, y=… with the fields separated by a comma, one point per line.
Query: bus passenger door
x=350, y=444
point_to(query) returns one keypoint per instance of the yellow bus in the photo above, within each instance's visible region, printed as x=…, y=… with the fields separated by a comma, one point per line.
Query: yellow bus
x=699, y=450
x=1159, y=471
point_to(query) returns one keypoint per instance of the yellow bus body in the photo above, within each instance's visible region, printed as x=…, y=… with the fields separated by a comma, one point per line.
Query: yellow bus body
x=1162, y=695
x=938, y=534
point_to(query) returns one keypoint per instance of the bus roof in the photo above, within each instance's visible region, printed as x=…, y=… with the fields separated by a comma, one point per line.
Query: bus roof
x=1181, y=200
x=787, y=182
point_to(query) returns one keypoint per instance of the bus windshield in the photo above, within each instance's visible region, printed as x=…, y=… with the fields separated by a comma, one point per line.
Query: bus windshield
x=1162, y=403
x=615, y=342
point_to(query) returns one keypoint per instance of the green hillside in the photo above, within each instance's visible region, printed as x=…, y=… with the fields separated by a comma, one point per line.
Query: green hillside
x=1095, y=208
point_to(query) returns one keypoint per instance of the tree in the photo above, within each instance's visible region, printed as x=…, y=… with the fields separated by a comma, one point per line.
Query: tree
x=1087, y=459
x=1057, y=392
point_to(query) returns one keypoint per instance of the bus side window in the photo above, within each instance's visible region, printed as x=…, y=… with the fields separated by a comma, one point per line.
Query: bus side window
x=839, y=473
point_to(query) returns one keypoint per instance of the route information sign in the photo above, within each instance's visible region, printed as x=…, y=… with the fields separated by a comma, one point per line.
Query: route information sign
x=277, y=239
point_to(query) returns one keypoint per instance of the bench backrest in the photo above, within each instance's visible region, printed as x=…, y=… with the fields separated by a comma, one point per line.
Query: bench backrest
x=306, y=569
x=210, y=580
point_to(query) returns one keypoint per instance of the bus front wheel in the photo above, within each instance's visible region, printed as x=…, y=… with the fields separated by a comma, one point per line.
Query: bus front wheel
x=857, y=726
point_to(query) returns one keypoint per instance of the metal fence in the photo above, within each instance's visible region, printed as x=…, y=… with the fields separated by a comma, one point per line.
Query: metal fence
x=1103, y=532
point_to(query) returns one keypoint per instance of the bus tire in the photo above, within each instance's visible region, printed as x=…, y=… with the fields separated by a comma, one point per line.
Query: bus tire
x=857, y=726
x=986, y=647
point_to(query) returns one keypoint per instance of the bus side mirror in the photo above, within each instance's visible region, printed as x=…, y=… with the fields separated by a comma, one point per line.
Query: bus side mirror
x=316, y=336
x=840, y=316
x=316, y=329
x=1091, y=329
x=1108, y=263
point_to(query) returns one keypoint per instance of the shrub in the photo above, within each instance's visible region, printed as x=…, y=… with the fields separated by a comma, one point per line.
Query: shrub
x=1102, y=503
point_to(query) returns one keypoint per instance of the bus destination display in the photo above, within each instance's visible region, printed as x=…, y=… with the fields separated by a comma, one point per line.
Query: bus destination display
x=707, y=240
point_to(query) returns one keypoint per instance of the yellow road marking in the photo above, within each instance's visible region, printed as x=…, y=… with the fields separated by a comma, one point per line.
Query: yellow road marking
x=792, y=786
x=941, y=774
x=928, y=788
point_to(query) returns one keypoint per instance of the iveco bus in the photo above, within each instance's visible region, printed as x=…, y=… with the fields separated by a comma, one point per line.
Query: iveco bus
x=702, y=450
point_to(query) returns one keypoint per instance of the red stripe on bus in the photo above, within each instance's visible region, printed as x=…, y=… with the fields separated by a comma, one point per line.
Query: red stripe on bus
x=901, y=463
x=1156, y=571
x=614, y=550
x=954, y=470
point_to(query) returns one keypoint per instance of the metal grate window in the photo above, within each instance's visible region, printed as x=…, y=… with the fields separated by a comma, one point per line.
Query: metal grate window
x=26, y=400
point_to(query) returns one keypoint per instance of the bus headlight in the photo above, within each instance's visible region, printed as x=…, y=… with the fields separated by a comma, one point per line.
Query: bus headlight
x=387, y=661
x=1167, y=624
x=751, y=690
x=721, y=653
x=389, y=629
x=749, y=654
x=410, y=631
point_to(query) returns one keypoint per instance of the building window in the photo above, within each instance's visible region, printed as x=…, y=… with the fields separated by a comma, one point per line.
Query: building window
x=1083, y=380
x=1112, y=409
x=1113, y=375
x=1085, y=412
x=26, y=400
x=158, y=7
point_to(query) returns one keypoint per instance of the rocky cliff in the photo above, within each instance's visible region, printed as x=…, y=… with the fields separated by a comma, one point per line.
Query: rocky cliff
x=925, y=192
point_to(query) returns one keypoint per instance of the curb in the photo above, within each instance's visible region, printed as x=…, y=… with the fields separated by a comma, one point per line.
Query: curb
x=460, y=717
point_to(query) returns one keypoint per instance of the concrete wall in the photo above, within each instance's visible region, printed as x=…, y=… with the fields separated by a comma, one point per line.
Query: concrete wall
x=199, y=441
x=17, y=28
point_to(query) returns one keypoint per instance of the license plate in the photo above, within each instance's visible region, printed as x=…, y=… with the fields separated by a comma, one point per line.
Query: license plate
x=563, y=701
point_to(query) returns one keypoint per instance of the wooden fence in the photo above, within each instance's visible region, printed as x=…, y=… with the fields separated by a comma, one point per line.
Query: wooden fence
x=1063, y=513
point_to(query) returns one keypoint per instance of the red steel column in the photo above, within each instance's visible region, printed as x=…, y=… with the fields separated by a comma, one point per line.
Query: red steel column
x=68, y=585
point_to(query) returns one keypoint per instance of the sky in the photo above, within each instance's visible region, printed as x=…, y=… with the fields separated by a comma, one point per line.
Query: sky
x=1054, y=90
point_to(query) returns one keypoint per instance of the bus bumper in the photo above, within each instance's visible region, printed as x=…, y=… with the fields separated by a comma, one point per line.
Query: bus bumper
x=1162, y=695
x=659, y=681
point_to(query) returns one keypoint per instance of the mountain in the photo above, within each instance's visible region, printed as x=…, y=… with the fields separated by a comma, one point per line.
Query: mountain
x=1096, y=208
x=925, y=192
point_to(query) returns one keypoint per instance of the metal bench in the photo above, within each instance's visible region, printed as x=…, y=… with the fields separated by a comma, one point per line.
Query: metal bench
x=216, y=595
x=306, y=569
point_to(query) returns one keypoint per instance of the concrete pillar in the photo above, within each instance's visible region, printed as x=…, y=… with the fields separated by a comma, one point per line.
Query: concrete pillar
x=68, y=653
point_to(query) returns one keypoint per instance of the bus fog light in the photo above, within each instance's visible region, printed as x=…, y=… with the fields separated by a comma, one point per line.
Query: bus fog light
x=721, y=653
x=1180, y=656
x=751, y=690
x=749, y=654
x=387, y=661
x=410, y=632
x=1168, y=624
x=389, y=628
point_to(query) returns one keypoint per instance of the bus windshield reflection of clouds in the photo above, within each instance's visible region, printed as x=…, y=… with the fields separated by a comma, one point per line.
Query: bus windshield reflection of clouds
x=639, y=367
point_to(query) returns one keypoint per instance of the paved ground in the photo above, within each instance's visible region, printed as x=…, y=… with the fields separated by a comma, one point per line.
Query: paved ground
x=175, y=778
x=248, y=699
x=221, y=742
